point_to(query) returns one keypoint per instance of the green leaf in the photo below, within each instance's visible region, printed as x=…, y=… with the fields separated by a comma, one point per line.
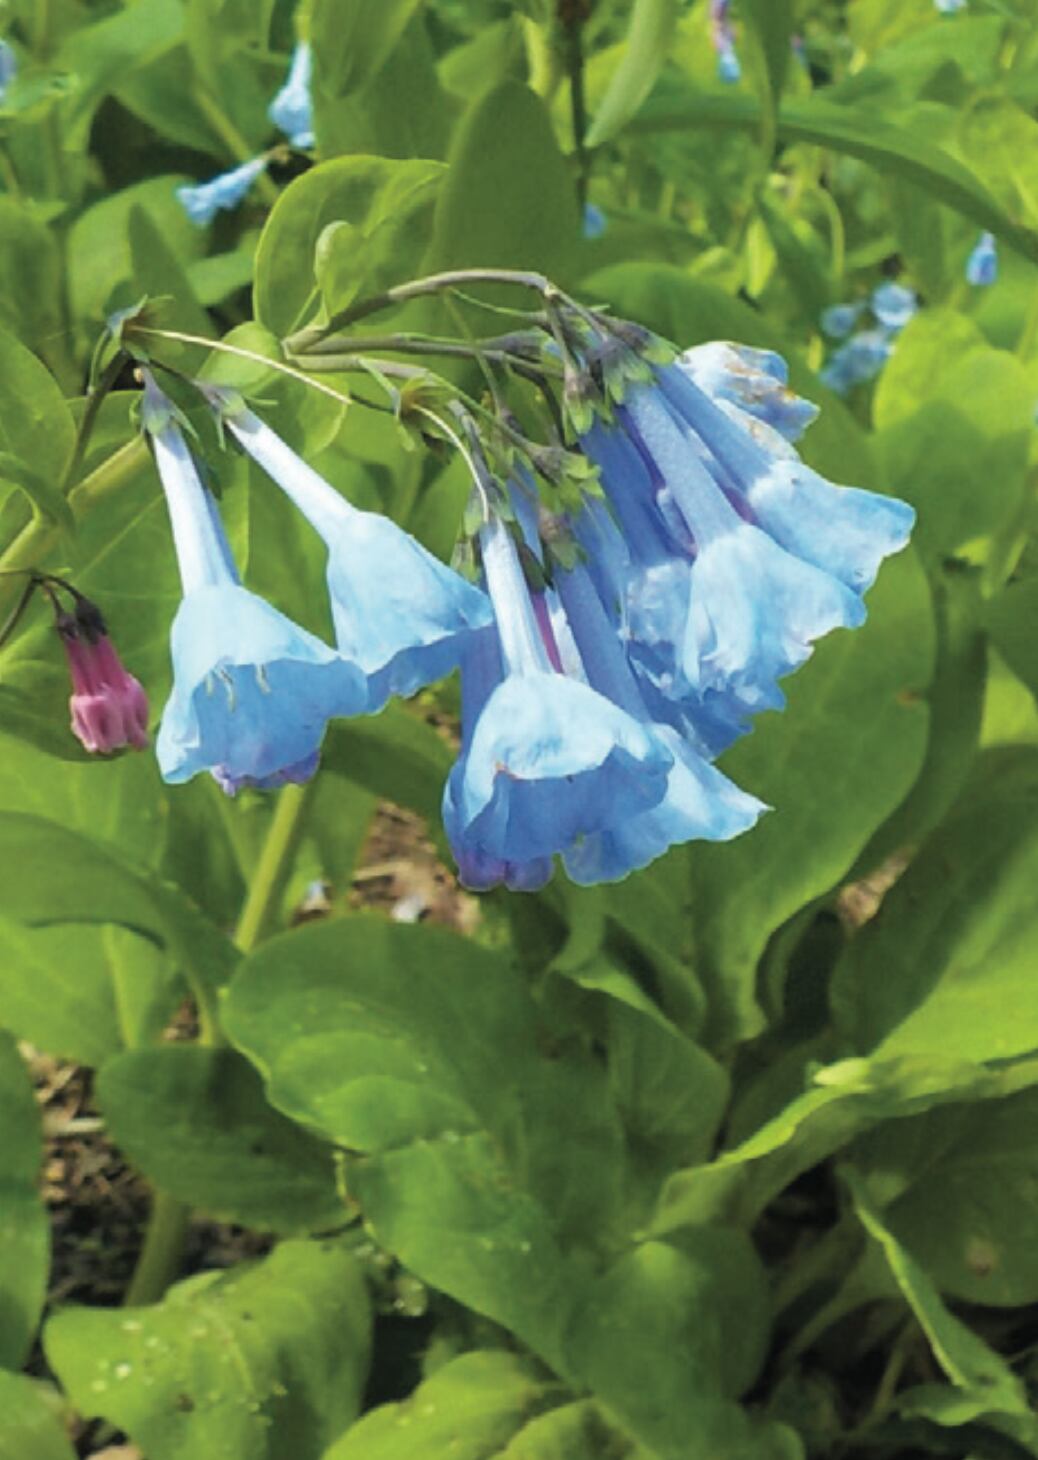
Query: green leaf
x=25, y=1250
x=468, y=1410
x=505, y=150
x=771, y=25
x=649, y=35
x=29, y=305
x=891, y=148
x=383, y=200
x=960, y=1190
x=670, y=1334
x=36, y=429
x=44, y=494
x=853, y=721
x=56, y=876
x=1012, y=621
x=99, y=55
x=968, y=1362
x=397, y=755
x=83, y=993
x=420, y=1051
x=29, y=1425
x=266, y=1362
x=158, y=272
x=352, y=39
x=955, y=936
x=196, y=1123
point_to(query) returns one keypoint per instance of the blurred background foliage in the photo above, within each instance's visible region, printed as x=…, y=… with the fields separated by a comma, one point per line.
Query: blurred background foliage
x=735, y=1159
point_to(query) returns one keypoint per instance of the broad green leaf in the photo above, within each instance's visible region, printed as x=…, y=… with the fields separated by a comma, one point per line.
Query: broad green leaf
x=956, y=935
x=649, y=34
x=1012, y=621
x=99, y=243
x=670, y=1334
x=968, y=1362
x=29, y=1425
x=505, y=150
x=196, y=1123
x=101, y=54
x=84, y=993
x=839, y=1102
x=56, y=876
x=897, y=74
x=998, y=140
x=24, y=1228
x=352, y=39
x=889, y=147
x=421, y=1051
x=960, y=1190
x=383, y=200
x=36, y=427
x=853, y=722
x=44, y=494
x=158, y=272
x=29, y=305
x=266, y=1362
x=468, y=1410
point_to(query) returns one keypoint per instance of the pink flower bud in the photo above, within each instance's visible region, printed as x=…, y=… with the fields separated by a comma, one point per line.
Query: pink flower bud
x=109, y=707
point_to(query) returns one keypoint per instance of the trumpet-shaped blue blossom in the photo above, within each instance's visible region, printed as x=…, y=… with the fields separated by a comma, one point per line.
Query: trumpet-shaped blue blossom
x=839, y=319
x=291, y=111
x=252, y=691
x=400, y=615
x=547, y=759
x=982, y=264
x=8, y=68
x=700, y=803
x=739, y=557
x=594, y=222
x=202, y=201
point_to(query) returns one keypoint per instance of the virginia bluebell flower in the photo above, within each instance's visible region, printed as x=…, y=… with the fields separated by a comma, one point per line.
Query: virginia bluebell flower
x=291, y=111
x=858, y=360
x=839, y=319
x=723, y=36
x=8, y=68
x=740, y=555
x=594, y=222
x=894, y=305
x=109, y=709
x=401, y=616
x=950, y=7
x=202, y=201
x=982, y=264
x=545, y=758
x=252, y=691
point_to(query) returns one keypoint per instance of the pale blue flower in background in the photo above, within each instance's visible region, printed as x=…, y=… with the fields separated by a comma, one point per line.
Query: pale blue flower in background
x=894, y=305
x=252, y=691
x=839, y=319
x=723, y=36
x=859, y=360
x=595, y=223
x=202, y=201
x=982, y=264
x=291, y=111
x=949, y=7
x=8, y=68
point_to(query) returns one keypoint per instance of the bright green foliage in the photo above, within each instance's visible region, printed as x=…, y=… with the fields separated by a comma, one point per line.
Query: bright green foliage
x=734, y=1158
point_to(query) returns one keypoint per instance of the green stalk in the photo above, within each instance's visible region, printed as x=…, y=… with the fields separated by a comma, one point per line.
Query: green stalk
x=159, y=1262
x=274, y=866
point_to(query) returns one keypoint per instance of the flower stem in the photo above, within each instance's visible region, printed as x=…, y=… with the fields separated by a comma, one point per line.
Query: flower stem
x=163, y=1247
x=302, y=340
x=274, y=866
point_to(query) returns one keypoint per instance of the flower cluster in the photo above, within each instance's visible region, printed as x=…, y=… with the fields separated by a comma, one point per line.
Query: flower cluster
x=593, y=711
x=252, y=691
x=109, y=709
x=644, y=589
x=863, y=355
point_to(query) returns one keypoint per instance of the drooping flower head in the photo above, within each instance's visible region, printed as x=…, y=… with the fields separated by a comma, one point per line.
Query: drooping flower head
x=108, y=706
x=741, y=557
x=252, y=691
x=982, y=264
x=291, y=111
x=202, y=201
x=862, y=356
x=546, y=760
x=400, y=615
